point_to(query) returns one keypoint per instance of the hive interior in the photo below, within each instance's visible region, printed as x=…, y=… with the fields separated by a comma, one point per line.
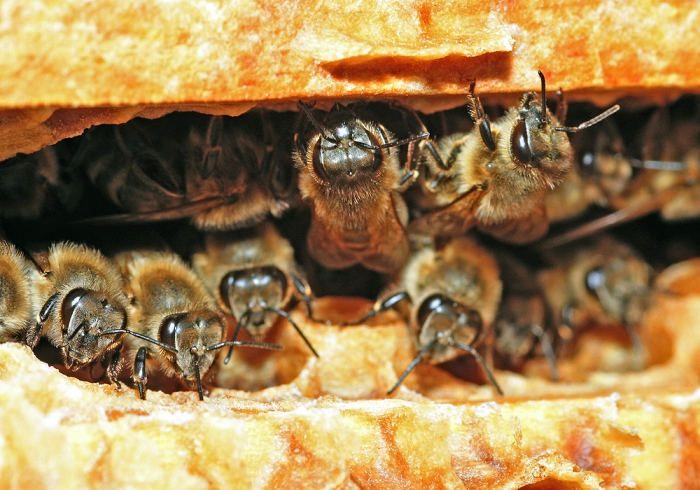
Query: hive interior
x=361, y=362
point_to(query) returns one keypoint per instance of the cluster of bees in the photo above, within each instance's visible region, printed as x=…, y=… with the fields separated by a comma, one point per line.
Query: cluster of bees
x=379, y=191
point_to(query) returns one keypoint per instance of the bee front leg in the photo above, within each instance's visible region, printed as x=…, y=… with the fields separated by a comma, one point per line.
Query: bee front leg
x=114, y=367
x=481, y=120
x=566, y=329
x=34, y=333
x=382, y=305
x=139, y=376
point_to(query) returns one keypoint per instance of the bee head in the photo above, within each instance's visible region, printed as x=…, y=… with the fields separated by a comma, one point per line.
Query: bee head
x=446, y=322
x=250, y=294
x=188, y=332
x=536, y=142
x=621, y=285
x=514, y=336
x=85, y=314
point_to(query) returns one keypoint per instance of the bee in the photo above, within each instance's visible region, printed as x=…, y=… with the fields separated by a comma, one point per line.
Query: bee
x=351, y=175
x=253, y=277
x=18, y=304
x=39, y=184
x=605, y=283
x=221, y=172
x=667, y=179
x=83, y=301
x=175, y=326
x=499, y=173
x=523, y=318
x=602, y=173
x=454, y=292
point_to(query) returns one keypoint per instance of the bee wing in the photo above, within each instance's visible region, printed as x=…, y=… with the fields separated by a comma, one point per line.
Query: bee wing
x=520, y=231
x=174, y=213
x=629, y=213
x=452, y=220
x=392, y=249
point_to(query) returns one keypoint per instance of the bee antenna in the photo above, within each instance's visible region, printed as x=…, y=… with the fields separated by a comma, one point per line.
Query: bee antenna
x=404, y=141
x=306, y=109
x=544, y=97
x=411, y=366
x=167, y=347
x=590, y=122
x=481, y=362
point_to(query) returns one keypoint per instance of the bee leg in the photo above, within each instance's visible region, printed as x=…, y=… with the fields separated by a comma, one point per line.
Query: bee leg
x=562, y=106
x=296, y=327
x=426, y=144
x=34, y=333
x=481, y=120
x=637, y=345
x=548, y=350
x=241, y=322
x=381, y=306
x=566, y=329
x=114, y=367
x=139, y=376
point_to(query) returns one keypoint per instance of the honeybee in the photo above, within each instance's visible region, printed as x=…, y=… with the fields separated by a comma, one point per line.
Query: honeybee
x=523, y=318
x=604, y=283
x=350, y=174
x=18, y=304
x=499, y=173
x=602, y=173
x=668, y=175
x=253, y=277
x=175, y=326
x=454, y=293
x=222, y=172
x=83, y=301
x=39, y=183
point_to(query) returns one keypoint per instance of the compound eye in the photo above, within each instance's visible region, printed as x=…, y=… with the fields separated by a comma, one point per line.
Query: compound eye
x=595, y=279
x=317, y=160
x=227, y=284
x=169, y=329
x=276, y=275
x=432, y=303
x=520, y=146
x=587, y=162
x=70, y=303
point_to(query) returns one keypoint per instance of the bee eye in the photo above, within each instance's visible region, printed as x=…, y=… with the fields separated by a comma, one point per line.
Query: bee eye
x=70, y=303
x=276, y=275
x=587, y=161
x=227, y=284
x=430, y=304
x=595, y=279
x=169, y=329
x=317, y=157
x=520, y=147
